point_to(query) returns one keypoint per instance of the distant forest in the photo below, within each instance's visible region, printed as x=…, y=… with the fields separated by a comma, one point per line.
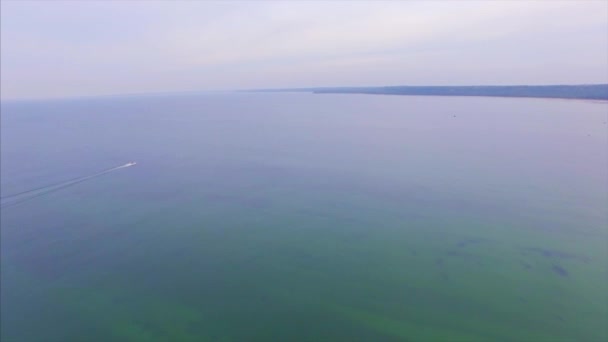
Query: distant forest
x=584, y=91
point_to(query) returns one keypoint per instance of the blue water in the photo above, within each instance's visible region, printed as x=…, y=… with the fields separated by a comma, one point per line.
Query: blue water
x=253, y=216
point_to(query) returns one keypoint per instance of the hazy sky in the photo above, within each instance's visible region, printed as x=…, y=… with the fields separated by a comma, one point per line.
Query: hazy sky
x=73, y=48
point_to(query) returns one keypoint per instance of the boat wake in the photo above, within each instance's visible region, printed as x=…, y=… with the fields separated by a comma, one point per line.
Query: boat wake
x=27, y=195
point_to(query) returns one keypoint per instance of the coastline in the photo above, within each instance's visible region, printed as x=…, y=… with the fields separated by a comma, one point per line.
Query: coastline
x=602, y=101
x=594, y=92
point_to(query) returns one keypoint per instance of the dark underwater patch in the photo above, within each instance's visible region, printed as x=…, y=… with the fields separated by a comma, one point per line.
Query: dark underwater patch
x=555, y=254
x=559, y=270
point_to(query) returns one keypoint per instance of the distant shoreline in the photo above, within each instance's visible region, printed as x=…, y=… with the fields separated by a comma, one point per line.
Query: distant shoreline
x=590, y=92
x=604, y=101
x=595, y=92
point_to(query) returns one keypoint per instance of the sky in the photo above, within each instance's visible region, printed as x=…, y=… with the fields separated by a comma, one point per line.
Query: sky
x=51, y=49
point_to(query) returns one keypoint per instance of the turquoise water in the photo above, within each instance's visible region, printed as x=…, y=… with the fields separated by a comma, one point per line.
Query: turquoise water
x=300, y=217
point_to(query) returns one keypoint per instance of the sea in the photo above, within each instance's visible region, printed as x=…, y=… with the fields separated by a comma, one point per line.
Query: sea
x=303, y=217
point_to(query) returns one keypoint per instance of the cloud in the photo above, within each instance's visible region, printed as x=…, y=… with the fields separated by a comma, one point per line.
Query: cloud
x=59, y=48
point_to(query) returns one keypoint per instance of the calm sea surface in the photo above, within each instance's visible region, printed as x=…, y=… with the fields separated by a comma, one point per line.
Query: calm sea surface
x=301, y=217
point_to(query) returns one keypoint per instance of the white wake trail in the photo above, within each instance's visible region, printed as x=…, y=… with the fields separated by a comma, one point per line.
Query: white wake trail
x=27, y=195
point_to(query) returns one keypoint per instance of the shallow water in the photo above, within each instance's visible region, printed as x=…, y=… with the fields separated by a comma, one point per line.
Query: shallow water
x=306, y=217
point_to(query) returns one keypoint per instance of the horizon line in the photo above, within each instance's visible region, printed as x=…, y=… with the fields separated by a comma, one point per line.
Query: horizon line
x=309, y=88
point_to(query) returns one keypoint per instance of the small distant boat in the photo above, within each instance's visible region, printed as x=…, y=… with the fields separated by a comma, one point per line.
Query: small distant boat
x=130, y=163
